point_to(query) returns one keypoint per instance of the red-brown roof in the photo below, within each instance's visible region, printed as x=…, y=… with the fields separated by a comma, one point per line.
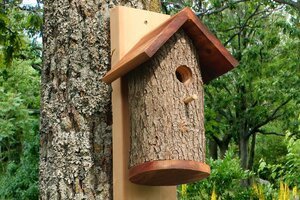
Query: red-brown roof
x=214, y=58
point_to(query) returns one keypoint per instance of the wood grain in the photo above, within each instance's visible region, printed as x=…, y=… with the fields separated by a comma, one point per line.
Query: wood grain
x=121, y=43
x=162, y=126
x=168, y=172
x=215, y=60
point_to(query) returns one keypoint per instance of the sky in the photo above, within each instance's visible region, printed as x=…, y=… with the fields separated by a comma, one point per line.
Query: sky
x=29, y=2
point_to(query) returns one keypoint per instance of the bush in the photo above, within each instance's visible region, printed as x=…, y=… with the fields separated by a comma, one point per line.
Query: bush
x=19, y=138
x=225, y=180
x=289, y=171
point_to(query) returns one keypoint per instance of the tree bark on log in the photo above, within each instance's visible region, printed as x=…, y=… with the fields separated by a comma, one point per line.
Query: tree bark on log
x=163, y=127
x=76, y=118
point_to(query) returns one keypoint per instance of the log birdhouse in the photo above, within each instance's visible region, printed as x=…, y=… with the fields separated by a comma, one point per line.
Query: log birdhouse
x=165, y=72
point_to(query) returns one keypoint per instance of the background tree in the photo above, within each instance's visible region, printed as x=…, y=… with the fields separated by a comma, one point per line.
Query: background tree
x=19, y=100
x=251, y=99
x=19, y=139
x=260, y=92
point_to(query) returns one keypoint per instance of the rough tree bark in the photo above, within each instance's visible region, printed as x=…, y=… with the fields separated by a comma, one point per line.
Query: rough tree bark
x=76, y=145
x=163, y=127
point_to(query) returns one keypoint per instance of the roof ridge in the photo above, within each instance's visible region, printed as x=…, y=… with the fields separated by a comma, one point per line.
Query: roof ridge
x=207, y=45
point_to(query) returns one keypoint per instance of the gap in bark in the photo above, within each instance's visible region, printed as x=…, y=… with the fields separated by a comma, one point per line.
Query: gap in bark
x=109, y=119
x=74, y=122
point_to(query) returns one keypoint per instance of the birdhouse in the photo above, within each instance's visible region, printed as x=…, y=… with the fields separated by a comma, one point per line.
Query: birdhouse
x=165, y=73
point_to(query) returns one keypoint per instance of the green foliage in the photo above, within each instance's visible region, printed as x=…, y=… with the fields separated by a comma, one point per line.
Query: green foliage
x=267, y=146
x=19, y=101
x=19, y=152
x=265, y=191
x=15, y=23
x=261, y=95
x=20, y=180
x=287, y=171
x=292, y=175
x=226, y=177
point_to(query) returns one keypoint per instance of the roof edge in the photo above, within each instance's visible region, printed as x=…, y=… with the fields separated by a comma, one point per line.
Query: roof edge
x=195, y=29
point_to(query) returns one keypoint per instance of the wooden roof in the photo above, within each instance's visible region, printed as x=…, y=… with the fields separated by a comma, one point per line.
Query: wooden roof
x=214, y=58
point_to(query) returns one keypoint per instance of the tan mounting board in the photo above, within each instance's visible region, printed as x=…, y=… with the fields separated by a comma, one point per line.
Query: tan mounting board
x=128, y=26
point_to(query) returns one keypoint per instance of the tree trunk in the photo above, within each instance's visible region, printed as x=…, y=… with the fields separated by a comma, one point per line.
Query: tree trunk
x=222, y=144
x=213, y=149
x=76, y=118
x=252, y=152
x=242, y=126
x=223, y=149
x=243, y=146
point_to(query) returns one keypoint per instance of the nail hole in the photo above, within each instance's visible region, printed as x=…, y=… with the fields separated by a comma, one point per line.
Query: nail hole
x=184, y=74
x=145, y=22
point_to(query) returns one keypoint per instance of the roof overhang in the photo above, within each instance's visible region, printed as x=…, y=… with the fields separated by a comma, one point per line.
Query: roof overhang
x=215, y=59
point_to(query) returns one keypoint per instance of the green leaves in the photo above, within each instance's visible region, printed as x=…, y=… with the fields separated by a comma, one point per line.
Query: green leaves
x=33, y=23
x=19, y=155
x=216, y=3
x=19, y=100
x=282, y=168
x=16, y=23
x=255, y=93
x=225, y=177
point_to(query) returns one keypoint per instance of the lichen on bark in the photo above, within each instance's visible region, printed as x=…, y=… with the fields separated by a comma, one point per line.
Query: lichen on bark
x=76, y=118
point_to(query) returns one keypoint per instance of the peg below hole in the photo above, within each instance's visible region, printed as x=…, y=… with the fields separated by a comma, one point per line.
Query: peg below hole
x=189, y=99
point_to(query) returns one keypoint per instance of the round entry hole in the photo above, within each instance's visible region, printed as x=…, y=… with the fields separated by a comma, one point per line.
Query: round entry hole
x=184, y=74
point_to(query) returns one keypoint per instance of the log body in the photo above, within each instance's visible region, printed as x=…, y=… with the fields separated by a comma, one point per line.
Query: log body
x=167, y=134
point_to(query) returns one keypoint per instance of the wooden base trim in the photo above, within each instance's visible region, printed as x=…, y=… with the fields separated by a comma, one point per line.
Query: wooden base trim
x=168, y=172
